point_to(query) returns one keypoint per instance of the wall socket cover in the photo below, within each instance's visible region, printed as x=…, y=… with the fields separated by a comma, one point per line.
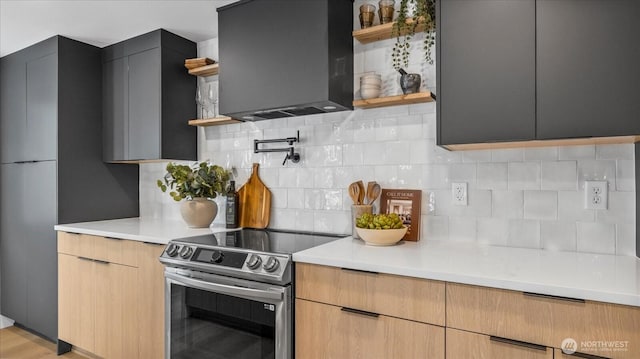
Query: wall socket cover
x=459, y=193
x=596, y=194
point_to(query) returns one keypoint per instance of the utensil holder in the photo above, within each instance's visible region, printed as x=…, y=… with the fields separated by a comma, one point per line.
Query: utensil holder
x=358, y=210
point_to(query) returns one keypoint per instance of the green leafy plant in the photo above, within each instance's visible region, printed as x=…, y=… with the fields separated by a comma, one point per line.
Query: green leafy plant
x=423, y=15
x=200, y=180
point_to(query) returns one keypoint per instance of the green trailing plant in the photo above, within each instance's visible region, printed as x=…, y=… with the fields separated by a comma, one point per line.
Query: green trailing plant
x=424, y=15
x=200, y=180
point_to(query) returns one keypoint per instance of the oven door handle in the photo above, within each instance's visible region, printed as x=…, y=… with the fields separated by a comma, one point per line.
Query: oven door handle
x=248, y=293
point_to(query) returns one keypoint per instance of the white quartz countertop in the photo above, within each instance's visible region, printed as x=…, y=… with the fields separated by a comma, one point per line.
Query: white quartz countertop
x=606, y=278
x=139, y=229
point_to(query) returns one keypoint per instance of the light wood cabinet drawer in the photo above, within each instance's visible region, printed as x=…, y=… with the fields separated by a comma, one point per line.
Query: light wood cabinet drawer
x=464, y=345
x=402, y=297
x=542, y=319
x=331, y=332
x=105, y=249
x=590, y=354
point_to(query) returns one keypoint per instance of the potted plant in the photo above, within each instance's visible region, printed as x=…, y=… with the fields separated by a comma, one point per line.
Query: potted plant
x=197, y=185
x=413, y=14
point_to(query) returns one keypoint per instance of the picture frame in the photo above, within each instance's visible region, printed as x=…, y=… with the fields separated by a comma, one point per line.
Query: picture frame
x=407, y=204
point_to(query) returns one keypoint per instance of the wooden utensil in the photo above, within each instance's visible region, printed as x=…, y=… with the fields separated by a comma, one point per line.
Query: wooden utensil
x=361, y=192
x=254, y=202
x=374, y=194
x=354, y=192
x=369, y=192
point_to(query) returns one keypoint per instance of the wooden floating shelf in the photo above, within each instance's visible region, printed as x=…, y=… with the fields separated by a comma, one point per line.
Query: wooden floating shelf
x=208, y=70
x=419, y=97
x=215, y=121
x=545, y=143
x=380, y=32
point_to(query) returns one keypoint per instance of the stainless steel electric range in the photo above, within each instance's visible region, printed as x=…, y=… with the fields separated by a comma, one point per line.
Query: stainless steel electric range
x=229, y=295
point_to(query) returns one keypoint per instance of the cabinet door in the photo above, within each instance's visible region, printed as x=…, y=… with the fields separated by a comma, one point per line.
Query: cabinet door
x=463, y=345
x=587, y=68
x=151, y=304
x=13, y=263
x=13, y=109
x=144, y=105
x=42, y=108
x=486, y=68
x=39, y=212
x=116, y=324
x=76, y=301
x=115, y=103
x=327, y=331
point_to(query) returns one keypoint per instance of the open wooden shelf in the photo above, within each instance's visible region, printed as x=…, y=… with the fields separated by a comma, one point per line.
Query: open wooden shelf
x=215, y=121
x=419, y=97
x=380, y=32
x=208, y=70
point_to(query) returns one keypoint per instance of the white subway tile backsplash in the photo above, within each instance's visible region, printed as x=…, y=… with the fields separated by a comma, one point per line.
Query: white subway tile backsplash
x=577, y=152
x=353, y=154
x=626, y=239
x=409, y=128
x=625, y=176
x=435, y=228
x=386, y=129
x=463, y=172
x=429, y=130
x=507, y=155
x=492, y=176
x=615, y=152
x=597, y=170
x=386, y=176
x=524, y=233
x=507, y=204
x=493, y=231
x=621, y=209
x=295, y=198
x=558, y=235
x=559, y=175
x=541, y=154
x=410, y=176
x=571, y=207
x=436, y=176
x=476, y=156
x=462, y=229
x=524, y=175
x=541, y=205
x=596, y=237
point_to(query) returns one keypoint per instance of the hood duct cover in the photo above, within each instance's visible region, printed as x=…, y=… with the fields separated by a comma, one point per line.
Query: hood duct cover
x=283, y=58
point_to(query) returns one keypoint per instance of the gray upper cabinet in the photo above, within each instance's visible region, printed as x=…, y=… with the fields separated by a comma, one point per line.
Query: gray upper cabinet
x=52, y=170
x=148, y=98
x=486, y=68
x=587, y=68
x=537, y=69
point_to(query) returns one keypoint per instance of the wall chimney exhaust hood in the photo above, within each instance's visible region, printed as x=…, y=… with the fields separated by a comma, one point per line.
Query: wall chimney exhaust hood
x=284, y=58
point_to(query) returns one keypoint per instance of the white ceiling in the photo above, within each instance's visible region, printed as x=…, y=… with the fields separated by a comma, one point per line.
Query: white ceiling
x=103, y=22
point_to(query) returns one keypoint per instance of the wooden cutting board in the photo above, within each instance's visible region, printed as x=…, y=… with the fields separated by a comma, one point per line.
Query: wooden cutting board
x=254, y=202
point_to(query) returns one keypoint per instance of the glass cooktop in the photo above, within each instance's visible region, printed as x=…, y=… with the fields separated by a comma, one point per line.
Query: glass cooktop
x=265, y=240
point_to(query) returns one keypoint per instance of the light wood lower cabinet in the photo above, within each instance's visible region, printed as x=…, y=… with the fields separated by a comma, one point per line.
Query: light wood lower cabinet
x=464, y=345
x=111, y=296
x=331, y=332
x=151, y=301
x=542, y=319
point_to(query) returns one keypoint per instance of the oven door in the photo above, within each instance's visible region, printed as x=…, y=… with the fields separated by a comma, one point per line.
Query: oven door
x=212, y=316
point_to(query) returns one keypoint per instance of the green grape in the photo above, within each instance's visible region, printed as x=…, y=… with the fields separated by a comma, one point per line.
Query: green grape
x=379, y=221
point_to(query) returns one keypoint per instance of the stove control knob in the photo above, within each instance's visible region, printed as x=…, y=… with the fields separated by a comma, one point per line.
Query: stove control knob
x=254, y=262
x=217, y=256
x=185, y=252
x=271, y=265
x=172, y=250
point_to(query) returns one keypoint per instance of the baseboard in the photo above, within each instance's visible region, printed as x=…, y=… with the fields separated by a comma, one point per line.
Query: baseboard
x=5, y=322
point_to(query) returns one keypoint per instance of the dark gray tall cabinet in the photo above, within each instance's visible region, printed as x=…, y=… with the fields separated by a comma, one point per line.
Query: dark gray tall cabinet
x=52, y=170
x=537, y=69
x=149, y=98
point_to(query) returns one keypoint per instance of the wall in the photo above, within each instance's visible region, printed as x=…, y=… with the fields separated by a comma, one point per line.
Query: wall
x=518, y=197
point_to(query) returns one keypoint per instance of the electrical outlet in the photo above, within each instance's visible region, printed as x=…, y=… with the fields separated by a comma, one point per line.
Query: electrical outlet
x=596, y=194
x=459, y=193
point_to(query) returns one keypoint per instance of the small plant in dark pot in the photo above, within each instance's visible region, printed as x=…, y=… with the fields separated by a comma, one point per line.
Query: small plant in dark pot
x=409, y=83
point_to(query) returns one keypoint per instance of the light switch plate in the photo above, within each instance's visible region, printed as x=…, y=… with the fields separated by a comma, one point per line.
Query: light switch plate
x=596, y=194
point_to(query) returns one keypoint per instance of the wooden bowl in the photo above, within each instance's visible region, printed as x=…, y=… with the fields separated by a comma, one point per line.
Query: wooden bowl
x=381, y=237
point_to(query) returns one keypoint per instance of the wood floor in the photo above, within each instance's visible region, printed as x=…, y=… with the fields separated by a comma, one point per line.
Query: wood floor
x=16, y=343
